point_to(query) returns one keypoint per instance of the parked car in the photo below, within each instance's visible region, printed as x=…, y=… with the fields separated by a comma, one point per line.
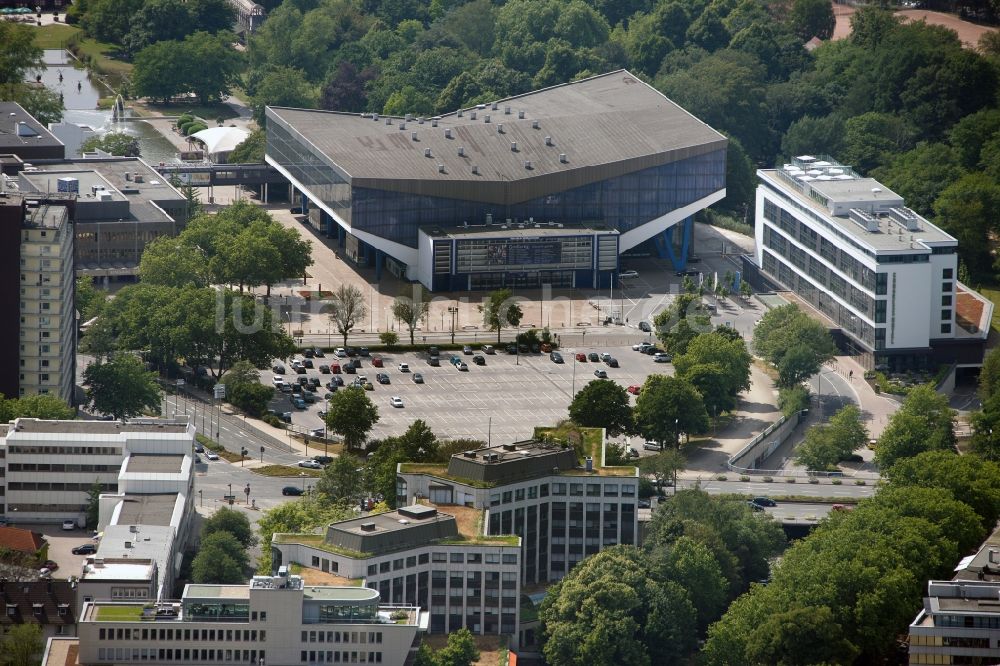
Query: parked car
x=308, y=363
x=555, y=357
x=600, y=374
x=535, y=348
x=85, y=549
x=754, y=506
x=351, y=351
x=314, y=381
x=340, y=352
x=605, y=356
x=396, y=401
x=628, y=275
x=462, y=366
x=652, y=350
x=318, y=353
x=651, y=446
x=51, y=565
x=479, y=359
x=211, y=455
x=632, y=452
x=310, y=464
x=324, y=369
x=489, y=349
x=434, y=361
x=296, y=388
x=300, y=369
x=319, y=432
x=382, y=378
x=285, y=388
x=350, y=369
x=642, y=346
x=644, y=504
x=69, y=525
x=511, y=349
x=634, y=390
x=433, y=351
x=308, y=353
x=303, y=381
x=662, y=357
x=363, y=351
x=291, y=491
x=298, y=402
x=764, y=501
x=455, y=360
x=546, y=348
x=645, y=327
x=277, y=380
x=377, y=362
x=198, y=448
x=467, y=349
x=612, y=362
x=278, y=369
x=335, y=368
x=593, y=357
x=323, y=460
x=581, y=357
x=369, y=386
x=309, y=397
x=418, y=378
x=403, y=367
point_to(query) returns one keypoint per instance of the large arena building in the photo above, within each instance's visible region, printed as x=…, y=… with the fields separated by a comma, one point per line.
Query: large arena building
x=549, y=187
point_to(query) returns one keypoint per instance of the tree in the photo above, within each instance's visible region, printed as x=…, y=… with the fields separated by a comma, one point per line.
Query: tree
x=341, y=482
x=612, y=609
x=351, y=415
x=172, y=262
x=798, y=636
x=221, y=559
x=250, y=150
x=808, y=132
x=346, y=308
x=664, y=466
x=157, y=21
x=719, y=366
x=985, y=440
x=388, y=338
x=89, y=299
x=230, y=522
x=159, y=71
x=692, y=564
x=40, y=406
x=114, y=143
x=667, y=406
x=18, y=53
x=500, y=310
x=966, y=209
x=212, y=83
x=873, y=139
x=121, y=387
x=345, y=89
x=461, y=649
x=795, y=343
x=281, y=86
x=22, y=645
x=93, y=511
x=410, y=310
x=602, y=404
x=921, y=174
x=925, y=422
x=303, y=515
x=811, y=18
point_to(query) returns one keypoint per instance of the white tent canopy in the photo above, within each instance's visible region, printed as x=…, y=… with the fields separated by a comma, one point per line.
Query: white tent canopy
x=221, y=139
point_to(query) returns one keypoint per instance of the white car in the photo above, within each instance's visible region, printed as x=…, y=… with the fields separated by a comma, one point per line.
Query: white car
x=403, y=367
x=311, y=464
x=642, y=346
x=277, y=380
x=628, y=275
x=340, y=352
x=211, y=455
x=396, y=401
x=69, y=525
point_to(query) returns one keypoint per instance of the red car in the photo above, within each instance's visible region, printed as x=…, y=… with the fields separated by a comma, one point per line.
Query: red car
x=335, y=368
x=581, y=357
x=377, y=361
x=634, y=390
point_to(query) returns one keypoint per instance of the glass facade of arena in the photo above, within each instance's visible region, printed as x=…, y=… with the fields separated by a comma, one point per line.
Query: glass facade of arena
x=622, y=203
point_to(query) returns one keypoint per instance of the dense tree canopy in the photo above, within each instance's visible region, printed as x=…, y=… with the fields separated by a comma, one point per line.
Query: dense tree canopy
x=602, y=404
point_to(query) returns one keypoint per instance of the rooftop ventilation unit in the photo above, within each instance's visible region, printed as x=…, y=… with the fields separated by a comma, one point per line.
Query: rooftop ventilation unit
x=420, y=121
x=548, y=141
x=374, y=116
x=510, y=447
x=137, y=177
x=409, y=117
x=472, y=115
x=469, y=454
x=513, y=146
x=434, y=123
x=427, y=152
x=413, y=136
x=475, y=170
x=440, y=168
x=447, y=133
x=534, y=124
x=388, y=121
x=906, y=218
x=402, y=126
x=367, y=527
x=461, y=151
x=527, y=165
x=494, y=106
x=864, y=219
x=486, y=118
x=489, y=219
x=562, y=158
x=520, y=115
x=460, y=113
x=500, y=128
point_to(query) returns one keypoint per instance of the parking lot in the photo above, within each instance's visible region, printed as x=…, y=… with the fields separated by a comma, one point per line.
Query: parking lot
x=503, y=399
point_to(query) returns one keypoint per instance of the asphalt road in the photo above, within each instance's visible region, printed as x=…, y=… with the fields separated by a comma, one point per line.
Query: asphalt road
x=823, y=489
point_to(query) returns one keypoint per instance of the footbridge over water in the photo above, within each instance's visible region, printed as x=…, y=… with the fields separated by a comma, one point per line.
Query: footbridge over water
x=214, y=175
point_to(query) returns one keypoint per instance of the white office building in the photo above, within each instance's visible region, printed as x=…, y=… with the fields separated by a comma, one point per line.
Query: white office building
x=885, y=276
x=274, y=620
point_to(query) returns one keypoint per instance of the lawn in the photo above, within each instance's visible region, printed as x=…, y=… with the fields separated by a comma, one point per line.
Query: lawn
x=207, y=112
x=55, y=36
x=285, y=471
x=98, y=55
x=119, y=613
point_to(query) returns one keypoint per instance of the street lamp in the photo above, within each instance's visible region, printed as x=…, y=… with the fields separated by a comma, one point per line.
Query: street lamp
x=302, y=475
x=452, y=310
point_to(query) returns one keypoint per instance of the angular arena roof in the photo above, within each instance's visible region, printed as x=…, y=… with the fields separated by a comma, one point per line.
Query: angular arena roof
x=606, y=126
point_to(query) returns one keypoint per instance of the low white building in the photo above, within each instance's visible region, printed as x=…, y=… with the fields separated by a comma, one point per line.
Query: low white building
x=885, y=277
x=275, y=620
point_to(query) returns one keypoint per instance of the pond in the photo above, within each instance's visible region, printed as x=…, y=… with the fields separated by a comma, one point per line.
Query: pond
x=80, y=94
